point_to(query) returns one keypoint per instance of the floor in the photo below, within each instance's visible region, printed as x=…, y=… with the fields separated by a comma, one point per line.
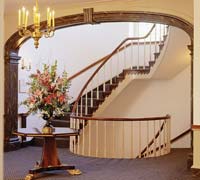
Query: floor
x=168, y=167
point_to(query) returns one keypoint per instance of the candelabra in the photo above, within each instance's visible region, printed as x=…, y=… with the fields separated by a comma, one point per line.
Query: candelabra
x=36, y=33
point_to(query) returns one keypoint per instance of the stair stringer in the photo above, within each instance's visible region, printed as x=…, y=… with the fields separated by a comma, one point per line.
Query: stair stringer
x=131, y=77
x=160, y=57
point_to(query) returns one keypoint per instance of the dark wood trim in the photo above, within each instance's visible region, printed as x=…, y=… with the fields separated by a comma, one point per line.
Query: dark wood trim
x=15, y=41
x=11, y=142
x=195, y=127
x=181, y=135
x=23, y=117
x=121, y=119
x=190, y=47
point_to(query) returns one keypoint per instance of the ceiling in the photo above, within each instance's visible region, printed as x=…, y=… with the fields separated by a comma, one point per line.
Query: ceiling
x=11, y=6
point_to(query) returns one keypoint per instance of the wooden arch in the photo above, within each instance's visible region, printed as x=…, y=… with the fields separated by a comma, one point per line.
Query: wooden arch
x=87, y=17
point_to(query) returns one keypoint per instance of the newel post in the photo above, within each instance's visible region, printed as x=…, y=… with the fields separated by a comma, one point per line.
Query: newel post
x=11, y=142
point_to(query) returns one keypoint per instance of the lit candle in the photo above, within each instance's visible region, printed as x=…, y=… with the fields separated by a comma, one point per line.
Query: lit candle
x=48, y=10
x=34, y=14
x=19, y=18
x=26, y=22
x=23, y=16
x=49, y=24
x=38, y=22
x=53, y=18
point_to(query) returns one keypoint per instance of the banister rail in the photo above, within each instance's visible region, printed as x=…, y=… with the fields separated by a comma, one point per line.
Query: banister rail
x=142, y=137
x=105, y=60
x=120, y=119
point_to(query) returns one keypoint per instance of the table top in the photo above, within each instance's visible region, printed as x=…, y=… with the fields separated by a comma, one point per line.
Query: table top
x=35, y=132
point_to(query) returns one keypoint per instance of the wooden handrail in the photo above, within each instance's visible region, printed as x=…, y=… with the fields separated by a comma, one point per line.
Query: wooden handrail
x=86, y=68
x=106, y=59
x=120, y=119
x=180, y=135
x=195, y=127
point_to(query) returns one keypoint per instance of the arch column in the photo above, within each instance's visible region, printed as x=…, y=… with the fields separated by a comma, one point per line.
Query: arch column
x=11, y=142
x=2, y=84
x=196, y=80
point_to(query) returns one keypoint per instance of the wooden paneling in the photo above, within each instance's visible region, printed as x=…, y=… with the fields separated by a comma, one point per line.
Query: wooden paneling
x=11, y=99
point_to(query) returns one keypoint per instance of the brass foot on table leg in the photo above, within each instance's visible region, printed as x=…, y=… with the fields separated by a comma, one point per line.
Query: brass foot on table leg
x=74, y=171
x=29, y=177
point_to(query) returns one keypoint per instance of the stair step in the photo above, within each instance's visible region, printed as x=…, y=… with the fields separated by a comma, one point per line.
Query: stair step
x=102, y=94
x=151, y=63
x=90, y=100
x=110, y=87
x=165, y=37
x=161, y=45
x=156, y=55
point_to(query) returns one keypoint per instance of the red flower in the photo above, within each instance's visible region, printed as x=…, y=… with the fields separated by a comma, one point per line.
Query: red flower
x=61, y=98
x=48, y=99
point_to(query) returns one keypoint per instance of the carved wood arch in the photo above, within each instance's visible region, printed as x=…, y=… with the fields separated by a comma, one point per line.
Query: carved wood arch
x=88, y=17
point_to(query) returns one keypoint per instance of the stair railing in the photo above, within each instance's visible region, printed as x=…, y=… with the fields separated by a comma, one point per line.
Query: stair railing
x=126, y=56
x=123, y=137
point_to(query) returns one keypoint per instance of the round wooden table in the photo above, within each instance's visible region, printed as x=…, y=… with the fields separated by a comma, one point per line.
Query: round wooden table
x=49, y=160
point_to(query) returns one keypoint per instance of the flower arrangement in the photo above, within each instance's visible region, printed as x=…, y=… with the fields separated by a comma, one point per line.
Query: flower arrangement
x=48, y=93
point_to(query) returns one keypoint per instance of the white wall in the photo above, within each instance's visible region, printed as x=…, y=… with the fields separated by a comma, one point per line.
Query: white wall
x=2, y=85
x=74, y=48
x=150, y=98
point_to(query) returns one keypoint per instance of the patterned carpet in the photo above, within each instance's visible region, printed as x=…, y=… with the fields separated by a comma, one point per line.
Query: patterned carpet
x=169, y=167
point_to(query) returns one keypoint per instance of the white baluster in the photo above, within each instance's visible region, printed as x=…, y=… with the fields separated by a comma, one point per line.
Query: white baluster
x=159, y=137
x=111, y=71
x=124, y=50
x=86, y=102
x=138, y=54
x=105, y=139
x=154, y=139
x=123, y=143
x=132, y=149
x=83, y=135
x=150, y=55
x=160, y=34
x=97, y=138
x=114, y=151
x=118, y=59
x=132, y=59
x=89, y=137
x=139, y=136
x=147, y=138
x=104, y=74
x=144, y=54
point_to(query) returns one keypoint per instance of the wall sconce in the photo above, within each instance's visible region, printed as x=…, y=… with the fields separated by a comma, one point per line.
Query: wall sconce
x=25, y=64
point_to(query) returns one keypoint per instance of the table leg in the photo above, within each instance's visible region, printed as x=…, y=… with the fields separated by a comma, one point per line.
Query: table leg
x=50, y=160
x=49, y=154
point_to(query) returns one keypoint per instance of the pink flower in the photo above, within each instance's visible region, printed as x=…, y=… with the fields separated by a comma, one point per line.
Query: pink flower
x=32, y=99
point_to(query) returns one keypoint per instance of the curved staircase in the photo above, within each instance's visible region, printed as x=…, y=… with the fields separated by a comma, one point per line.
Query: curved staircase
x=91, y=98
